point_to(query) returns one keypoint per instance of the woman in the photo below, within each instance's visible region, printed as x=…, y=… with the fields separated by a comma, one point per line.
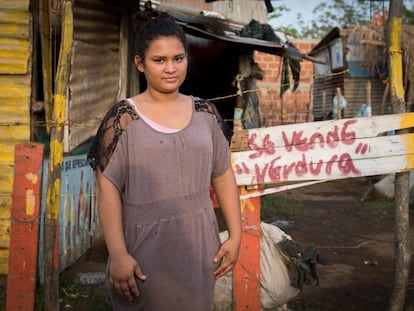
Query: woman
x=156, y=155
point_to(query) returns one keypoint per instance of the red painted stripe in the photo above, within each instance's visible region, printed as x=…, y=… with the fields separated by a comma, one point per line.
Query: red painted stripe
x=246, y=276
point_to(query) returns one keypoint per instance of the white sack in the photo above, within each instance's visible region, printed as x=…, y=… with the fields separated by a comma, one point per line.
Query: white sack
x=275, y=289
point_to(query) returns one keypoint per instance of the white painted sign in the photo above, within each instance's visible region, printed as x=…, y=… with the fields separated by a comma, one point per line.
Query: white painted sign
x=326, y=150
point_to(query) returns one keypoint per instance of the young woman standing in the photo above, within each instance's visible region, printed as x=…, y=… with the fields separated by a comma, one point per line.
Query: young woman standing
x=156, y=155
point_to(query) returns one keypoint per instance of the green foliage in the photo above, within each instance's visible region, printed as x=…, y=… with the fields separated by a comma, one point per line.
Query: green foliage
x=408, y=15
x=339, y=13
x=288, y=29
x=278, y=11
x=276, y=206
x=76, y=296
x=336, y=13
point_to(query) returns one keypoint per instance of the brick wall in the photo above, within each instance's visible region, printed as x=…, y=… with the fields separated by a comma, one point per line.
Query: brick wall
x=294, y=106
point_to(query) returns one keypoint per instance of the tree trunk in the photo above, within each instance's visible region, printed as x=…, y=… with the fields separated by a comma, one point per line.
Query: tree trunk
x=401, y=247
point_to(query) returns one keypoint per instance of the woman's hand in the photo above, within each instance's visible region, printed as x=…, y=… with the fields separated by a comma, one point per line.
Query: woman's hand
x=227, y=254
x=122, y=272
x=228, y=197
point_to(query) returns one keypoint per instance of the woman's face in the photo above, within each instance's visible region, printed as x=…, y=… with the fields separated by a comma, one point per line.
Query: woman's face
x=165, y=64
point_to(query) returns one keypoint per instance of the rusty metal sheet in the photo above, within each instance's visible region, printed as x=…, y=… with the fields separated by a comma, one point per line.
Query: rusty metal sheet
x=92, y=91
x=97, y=23
x=94, y=81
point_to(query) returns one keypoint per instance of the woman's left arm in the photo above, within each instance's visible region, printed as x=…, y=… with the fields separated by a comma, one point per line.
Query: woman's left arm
x=227, y=194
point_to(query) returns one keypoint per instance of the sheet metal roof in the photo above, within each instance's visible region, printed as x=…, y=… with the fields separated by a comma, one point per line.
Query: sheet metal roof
x=192, y=23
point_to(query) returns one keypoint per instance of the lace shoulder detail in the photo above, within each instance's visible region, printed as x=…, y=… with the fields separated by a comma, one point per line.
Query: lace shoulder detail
x=203, y=105
x=115, y=122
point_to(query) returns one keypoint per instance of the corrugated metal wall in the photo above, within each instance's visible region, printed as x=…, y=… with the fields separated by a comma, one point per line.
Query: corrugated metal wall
x=242, y=11
x=15, y=92
x=356, y=95
x=327, y=85
x=354, y=90
x=95, y=73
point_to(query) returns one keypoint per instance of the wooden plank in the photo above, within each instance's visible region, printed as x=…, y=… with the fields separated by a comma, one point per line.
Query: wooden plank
x=326, y=150
x=363, y=157
x=246, y=275
x=301, y=133
x=307, y=153
x=24, y=229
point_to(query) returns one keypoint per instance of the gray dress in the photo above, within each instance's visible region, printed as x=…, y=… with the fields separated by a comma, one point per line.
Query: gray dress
x=169, y=222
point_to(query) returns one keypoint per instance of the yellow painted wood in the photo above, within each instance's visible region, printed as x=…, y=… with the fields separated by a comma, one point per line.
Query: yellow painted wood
x=407, y=120
x=396, y=58
x=46, y=43
x=56, y=159
x=409, y=145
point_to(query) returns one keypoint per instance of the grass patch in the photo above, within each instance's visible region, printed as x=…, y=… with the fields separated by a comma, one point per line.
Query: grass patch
x=276, y=206
x=272, y=207
x=384, y=207
x=379, y=205
x=301, y=305
x=75, y=296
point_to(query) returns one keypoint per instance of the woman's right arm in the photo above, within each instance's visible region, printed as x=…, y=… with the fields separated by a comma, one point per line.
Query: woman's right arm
x=123, y=267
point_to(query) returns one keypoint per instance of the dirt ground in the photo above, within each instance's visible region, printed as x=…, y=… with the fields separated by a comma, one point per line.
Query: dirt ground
x=356, y=237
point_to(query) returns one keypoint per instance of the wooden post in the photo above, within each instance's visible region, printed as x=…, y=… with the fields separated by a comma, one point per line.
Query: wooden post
x=369, y=104
x=310, y=107
x=402, y=234
x=323, y=104
x=338, y=103
x=246, y=276
x=45, y=38
x=24, y=228
x=246, y=273
x=55, y=164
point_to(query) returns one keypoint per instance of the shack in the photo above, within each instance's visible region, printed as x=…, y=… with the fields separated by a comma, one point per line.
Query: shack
x=101, y=72
x=355, y=60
